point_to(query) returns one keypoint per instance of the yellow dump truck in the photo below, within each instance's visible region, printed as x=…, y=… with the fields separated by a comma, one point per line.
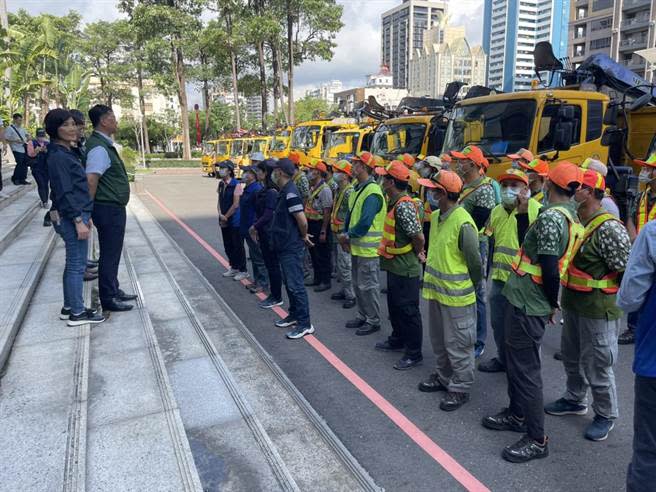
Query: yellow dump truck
x=418, y=134
x=347, y=141
x=208, y=157
x=280, y=143
x=310, y=138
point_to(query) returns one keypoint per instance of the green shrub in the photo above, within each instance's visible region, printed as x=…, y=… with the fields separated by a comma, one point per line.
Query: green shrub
x=130, y=158
x=196, y=154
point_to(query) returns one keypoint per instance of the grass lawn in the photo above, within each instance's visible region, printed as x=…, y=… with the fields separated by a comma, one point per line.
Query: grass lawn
x=155, y=163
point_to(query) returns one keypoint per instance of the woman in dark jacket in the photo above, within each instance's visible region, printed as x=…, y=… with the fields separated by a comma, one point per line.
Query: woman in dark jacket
x=72, y=219
x=265, y=204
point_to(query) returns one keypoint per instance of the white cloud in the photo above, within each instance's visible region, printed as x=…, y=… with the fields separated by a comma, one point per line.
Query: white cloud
x=91, y=10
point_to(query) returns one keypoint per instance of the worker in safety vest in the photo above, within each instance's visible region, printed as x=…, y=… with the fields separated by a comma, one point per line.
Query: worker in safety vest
x=363, y=230
x=453, y=268
x=516, y=210
x=521, y=158
x=300, y=179
x=342, y=177
x=318, y=208
x=425, y=169
x=537, y=171
x=642, y=211
x=592, y=318
x=478, y=198
x=401, y=254
x=607, y=202
x=532, y=292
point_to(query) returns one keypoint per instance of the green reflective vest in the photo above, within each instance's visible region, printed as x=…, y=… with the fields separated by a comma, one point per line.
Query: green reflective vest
x=367, y=245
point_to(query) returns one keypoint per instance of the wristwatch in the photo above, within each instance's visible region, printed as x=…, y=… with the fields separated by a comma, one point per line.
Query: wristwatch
x=78, y=220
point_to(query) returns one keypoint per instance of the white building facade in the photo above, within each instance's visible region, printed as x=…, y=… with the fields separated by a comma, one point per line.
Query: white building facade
x=326, y=91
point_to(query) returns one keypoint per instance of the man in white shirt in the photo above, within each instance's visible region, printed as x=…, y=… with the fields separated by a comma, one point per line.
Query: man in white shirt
x=17, y=138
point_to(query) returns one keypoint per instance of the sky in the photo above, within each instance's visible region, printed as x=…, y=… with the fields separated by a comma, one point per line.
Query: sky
x=358, y=43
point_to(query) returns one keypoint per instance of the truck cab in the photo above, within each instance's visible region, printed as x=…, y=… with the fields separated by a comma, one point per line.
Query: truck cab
x=310, y=138
x=280, y=143
x=347, y=142
x=208, y=157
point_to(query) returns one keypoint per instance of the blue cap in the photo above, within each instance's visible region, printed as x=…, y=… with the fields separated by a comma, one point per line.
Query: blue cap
x=229, y=164
x=251, y=169
x=285, y=165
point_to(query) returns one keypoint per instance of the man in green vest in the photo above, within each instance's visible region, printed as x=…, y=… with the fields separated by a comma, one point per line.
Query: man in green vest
x=363, y=230
x=592, y=318
x=401, y=254
x=515, y=212
x=532, y=292
x=453, y=268
x=110, y=189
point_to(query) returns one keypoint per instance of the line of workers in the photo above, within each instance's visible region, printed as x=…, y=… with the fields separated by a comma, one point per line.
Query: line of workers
x=550, y=239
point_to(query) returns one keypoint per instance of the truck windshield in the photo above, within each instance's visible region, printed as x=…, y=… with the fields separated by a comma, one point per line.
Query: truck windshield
x=499, y=128
x=259, y=145
x=237, y=148
x=391, y=140
x=341, y=144
x=305, y=137
x=279, y=142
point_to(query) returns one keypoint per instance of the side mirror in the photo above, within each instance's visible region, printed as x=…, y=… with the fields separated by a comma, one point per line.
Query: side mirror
x=611, y=137
x=610, y=116
x=563, y=132
x=640, y=102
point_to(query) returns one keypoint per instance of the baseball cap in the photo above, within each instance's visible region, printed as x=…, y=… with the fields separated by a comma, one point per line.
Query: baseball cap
x=228, y=164
x=595, y=165
x=650, y=162
x=514, y=175
x=396, y=169
x=365, y=157
x=320, y=165
x=473, y=153
x=565, y=173
x=246, y=169
x=343, y=166
x=536, y=166
x=521, y=154
x=434, y=162
x=594, y=180
x=407, y=159
x=448, y=181
x=285, y=165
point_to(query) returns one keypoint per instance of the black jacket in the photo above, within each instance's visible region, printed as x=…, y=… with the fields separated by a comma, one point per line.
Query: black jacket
x=68, y=182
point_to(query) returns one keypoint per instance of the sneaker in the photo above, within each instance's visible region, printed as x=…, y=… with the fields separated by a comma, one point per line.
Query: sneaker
x=285, y=322
x=270, y=302
x=526, y=449
x=504, y=421
x=453, y=401
x=431, y=384
x=627, y=337
x=565, y=407
x=407, y=362
x=479, y=349
x=492, y=365
x=599, y=428
x=240, y=276
x=386, y=346
x=65, y=313
x=231, y=273
x=85, y=318
x=300, y=332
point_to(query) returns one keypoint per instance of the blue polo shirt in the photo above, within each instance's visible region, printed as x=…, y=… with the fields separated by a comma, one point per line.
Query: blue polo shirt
x=247, y=207
x=284, y=229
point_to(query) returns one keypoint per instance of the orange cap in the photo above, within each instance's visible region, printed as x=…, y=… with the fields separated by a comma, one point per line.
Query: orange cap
x=650, y=162
x=536, y=166
x=320, y=165
x=565, y=173
x=515, y=175
x=407, y=159
x=396, y=169
x=521, y=154
x=366, y=157
x=594, y=180
x=474, y=154
x=343, y=166
x=448, y=181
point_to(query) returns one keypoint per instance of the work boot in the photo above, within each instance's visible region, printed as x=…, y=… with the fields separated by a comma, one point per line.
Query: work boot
x=431, y=385
x=492, y=365
x=504, y=421
x=348, y=304
x=367, y=329
x=338, y=296
x=627, y=337
x=453, y=400
x=355, y=323
x=526, y=449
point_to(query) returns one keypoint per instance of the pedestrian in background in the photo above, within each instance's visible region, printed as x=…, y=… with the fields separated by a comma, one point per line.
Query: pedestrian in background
x=17, y=138
x=318, y=208
x=289, y=235
x=80, y=145
x=228, y=209
x=250, y=187
x=73, y=204
x=37, y=150
x=342, y=176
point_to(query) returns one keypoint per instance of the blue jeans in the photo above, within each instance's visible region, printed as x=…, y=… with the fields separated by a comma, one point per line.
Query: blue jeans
x=257, y=262
x=291, y=264
x=76, y=262
x=498, y=306
x=481, y=301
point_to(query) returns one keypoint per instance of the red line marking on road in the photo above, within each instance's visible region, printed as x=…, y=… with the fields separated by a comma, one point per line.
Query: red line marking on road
x=444, y=459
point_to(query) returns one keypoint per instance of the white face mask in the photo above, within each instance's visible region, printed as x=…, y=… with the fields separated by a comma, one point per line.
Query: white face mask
x=223, y=172
x=645, y=175
x=509, y=195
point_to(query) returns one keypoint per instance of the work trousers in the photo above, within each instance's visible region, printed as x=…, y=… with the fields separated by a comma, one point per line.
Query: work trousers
x=641, y=476
x=320, y=253
x=273, y=268
x=233, y=244
x=291, y=264
x=257, y=263
x=481, y=297
x=366, y=284
x=523, y=368
x=453, y=335
x=404, y=314
x=20, y=171
x=110, y=224
x=40, y=173
x=589, y=349
x=498, y=306
x=343, y=262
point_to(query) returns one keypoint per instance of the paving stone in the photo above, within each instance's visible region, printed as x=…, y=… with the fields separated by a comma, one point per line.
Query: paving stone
x=178, y=340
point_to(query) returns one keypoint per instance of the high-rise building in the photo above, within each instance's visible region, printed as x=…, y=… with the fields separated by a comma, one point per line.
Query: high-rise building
x=511, y=29
x=254, y=108
x=437, y=63
x=326, y=90
x=402, y=32
x=617, y=28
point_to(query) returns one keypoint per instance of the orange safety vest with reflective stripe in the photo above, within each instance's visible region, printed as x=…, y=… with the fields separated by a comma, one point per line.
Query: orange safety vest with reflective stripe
x=336, y=224
x=523, y=265
x=311, y=213
x=388, y=247
x=580, y=281
x=645, y=215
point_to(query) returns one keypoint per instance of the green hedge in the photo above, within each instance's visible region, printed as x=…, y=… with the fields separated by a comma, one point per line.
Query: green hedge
x=172, y=163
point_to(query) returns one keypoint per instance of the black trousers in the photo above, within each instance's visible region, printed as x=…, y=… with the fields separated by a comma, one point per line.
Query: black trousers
x=40, y=173
x=272, y=265
x=110, y=224
x=20, y=171
x=320, y=253
x=523, y=335
x=233, y=244
x=641, y=476
x=404, y=314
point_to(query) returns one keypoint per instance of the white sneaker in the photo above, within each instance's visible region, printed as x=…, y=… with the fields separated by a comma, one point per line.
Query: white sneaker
x=240, y=276
x=231, y=273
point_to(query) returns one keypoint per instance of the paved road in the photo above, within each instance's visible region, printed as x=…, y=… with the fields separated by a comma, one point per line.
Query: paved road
x=394, y=460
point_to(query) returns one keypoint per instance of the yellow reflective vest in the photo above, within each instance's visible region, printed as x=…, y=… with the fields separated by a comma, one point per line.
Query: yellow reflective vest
x=367, y=245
